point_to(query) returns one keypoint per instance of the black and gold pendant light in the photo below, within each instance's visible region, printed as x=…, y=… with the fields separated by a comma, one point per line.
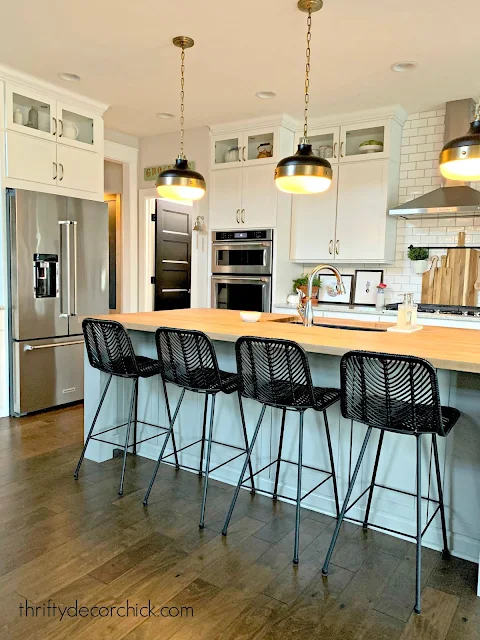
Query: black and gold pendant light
x=460, y=158
x=304, y=172
x=181, y=183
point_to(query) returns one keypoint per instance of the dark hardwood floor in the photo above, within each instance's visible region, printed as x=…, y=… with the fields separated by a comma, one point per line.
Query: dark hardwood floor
x=63, y=541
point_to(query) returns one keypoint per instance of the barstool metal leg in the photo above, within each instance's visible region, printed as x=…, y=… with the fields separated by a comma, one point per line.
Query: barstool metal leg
x=169, y=416
x=242, y=474
x=204, y=427
x=418, y=578
x=332, y=463
x=164, y=446
x=299, y=490
x=127, y=437
x=207, y=462
x=374, y=477
x=245, y=437
x=135, y=419
x=280, y=446
x=345, y=504
x=446, y=552
x=82, y=455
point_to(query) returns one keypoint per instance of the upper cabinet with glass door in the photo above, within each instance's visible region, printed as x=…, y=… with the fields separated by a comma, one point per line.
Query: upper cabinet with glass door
x=325, y=142
x=79, y=128
x=29, y=111
x=365, y=141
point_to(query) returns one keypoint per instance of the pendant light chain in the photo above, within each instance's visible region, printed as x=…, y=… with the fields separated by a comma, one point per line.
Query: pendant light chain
x=307, y=72
x=182, y=106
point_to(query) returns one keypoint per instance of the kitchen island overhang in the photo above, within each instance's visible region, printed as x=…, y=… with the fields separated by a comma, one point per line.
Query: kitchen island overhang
x=454, y=352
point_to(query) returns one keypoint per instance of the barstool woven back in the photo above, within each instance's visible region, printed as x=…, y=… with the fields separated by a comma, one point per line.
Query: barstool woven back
x=109, y=348
x=274, y=372
x=188, y=359
x=395, y=393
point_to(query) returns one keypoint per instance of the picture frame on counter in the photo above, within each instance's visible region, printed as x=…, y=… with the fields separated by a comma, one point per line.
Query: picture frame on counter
x=327, y=294
x=365, y=286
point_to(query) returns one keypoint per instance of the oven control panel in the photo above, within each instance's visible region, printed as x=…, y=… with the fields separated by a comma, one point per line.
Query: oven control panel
x=252, y=234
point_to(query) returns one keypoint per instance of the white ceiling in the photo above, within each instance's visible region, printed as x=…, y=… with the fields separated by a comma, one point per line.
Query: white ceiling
x=122, y=50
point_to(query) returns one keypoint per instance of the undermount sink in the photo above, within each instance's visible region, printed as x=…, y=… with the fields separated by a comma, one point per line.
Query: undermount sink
x=326, y=325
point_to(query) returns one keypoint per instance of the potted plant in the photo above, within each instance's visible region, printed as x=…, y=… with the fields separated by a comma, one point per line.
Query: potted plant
x=301, y=283
x=419, y=257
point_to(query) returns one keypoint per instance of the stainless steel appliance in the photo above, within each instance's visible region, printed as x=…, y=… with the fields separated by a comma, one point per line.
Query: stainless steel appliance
x=441, y=309
x=242, y=269
x=58, y=254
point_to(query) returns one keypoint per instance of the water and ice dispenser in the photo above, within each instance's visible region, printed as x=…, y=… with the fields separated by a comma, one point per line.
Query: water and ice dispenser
x=45, y=275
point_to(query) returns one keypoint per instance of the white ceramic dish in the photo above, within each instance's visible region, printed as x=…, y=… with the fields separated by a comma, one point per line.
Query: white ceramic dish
x=371, y=148
x=250, y=316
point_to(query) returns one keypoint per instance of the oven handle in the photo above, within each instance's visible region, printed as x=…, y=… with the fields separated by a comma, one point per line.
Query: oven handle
x=241, y=245
x=241, y=278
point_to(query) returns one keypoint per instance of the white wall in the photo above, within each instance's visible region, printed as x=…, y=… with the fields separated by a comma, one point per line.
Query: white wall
x=113, y=177
x=163, y=149
x=122, y=138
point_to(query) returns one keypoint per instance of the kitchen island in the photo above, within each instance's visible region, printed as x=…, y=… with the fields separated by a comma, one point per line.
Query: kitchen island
x=454, y=352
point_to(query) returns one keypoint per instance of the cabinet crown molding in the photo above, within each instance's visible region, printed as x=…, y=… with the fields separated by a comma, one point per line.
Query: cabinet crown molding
x=59, y=93
x=394, y=112
x=279, y=120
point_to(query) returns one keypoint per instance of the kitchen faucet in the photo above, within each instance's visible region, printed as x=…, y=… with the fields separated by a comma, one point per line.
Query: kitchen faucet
x=306, y=310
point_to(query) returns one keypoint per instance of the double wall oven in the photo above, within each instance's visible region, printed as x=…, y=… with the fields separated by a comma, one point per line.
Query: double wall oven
x=242, y=270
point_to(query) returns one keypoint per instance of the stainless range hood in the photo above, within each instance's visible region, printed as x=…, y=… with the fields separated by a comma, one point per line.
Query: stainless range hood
x=447, y=201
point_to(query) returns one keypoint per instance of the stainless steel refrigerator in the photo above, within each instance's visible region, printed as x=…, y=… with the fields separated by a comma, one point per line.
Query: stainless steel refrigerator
x=58, y=253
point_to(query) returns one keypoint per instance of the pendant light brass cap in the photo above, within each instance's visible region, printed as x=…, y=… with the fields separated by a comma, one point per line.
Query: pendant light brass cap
x=310, y=5
x=304, y=172
x=460, y=158
x=184, y=42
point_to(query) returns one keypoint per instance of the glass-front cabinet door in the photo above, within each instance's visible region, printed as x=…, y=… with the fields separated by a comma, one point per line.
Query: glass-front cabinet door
x=226, y=150
x=260, y=146
x=365, y=141
x=31, y=112
x=325, y=143
x=79, y=128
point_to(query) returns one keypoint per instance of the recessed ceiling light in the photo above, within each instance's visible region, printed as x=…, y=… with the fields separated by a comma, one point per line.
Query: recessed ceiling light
x=401, y=67
x=265, y=95
x=165, y=115
x=69, y=77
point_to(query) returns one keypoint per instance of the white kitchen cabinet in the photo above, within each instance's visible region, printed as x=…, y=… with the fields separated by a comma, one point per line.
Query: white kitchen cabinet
x=30, y=158
x=225, y=198
x=20, y=102
x=248, y=145
x=78, y=169
x=361, y=211
x=314, y=220
x=259, y=197
x=325, y=142
x=352, y=136
x=79, y=127
x=243, y=197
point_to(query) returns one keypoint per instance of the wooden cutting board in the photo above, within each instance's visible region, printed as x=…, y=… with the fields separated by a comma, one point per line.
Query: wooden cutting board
x=427, y=282
x=442, y=285
x=464, y=265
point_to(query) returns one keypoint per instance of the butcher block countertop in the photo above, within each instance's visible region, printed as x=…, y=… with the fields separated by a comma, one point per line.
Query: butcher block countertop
x=445, y=348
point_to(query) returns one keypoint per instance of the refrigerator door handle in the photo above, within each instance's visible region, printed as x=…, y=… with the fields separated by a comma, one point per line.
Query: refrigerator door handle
x=29, y=347
x=75, y=264
x=65, y=223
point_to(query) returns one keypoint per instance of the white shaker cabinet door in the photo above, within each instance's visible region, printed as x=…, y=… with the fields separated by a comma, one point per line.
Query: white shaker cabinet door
x=226, y=198
x=30, y=158
x=79, y=169
x=361, y=211
x=313, y=224
x=259, y=197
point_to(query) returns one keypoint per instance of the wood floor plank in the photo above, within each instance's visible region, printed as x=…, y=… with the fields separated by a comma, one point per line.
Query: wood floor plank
x=438, y=609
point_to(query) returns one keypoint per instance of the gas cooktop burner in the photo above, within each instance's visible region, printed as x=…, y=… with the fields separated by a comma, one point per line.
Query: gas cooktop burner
x=442, y=309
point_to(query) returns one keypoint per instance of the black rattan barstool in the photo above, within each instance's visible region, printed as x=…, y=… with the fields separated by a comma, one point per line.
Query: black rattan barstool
x=398, y=394
x=187, y=359
x=277, y=374
x=110, y=350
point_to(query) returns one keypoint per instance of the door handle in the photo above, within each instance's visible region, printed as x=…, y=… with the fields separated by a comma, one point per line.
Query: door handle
x=66, y=224
x=243, y=153
x=330, y=247
x=337, y=247
x=54, y=132
x=60, y=128
x=75, y=288
x=61, y=167
x=238, y=216
x=29, y=347
x=55, y=171
x=341, y=149
x=243, y=216
x=335, y=149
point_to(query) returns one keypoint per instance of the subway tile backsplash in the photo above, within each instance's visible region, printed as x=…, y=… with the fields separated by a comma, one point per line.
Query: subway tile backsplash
x=422, y=141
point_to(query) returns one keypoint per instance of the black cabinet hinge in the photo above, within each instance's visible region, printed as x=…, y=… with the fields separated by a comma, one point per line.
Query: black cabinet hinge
x=154, y=217
x=153, y=280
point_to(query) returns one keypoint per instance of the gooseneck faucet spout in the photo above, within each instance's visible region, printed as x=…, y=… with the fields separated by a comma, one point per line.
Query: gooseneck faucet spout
x=306, y=310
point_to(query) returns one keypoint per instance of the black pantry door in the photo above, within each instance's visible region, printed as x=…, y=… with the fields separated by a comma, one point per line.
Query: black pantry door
x=173, y=251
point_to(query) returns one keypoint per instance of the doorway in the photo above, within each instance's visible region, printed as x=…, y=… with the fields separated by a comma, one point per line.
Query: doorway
x=114, y=201
x=173, y=255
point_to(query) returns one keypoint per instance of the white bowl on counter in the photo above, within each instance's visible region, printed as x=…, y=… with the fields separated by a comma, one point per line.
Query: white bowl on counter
x=250, y=316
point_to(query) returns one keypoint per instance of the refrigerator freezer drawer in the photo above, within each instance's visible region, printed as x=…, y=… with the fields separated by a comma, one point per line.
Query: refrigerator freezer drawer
x=47, y=373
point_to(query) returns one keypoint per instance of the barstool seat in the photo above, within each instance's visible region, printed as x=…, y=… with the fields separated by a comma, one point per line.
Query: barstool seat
x=110, y=350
